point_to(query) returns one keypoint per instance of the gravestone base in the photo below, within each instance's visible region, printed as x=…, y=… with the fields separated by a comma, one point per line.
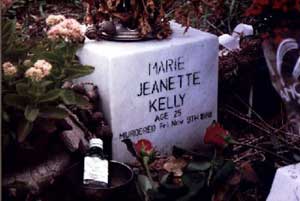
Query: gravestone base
x=164, y=91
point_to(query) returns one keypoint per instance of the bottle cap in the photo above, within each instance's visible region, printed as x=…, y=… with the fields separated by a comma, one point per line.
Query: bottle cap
x=96, y=142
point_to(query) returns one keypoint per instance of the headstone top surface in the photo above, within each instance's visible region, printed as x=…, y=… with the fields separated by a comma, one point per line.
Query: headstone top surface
x=111, y=49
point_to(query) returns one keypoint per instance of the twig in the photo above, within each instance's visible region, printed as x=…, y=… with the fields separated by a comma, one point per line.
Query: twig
x=244, y=156
x=250, y=141
x=250, y=154
x=264, y=150
x=259, y=126
x=145, y=7
x=229, y=16
x=214, y=27
x=78, y=122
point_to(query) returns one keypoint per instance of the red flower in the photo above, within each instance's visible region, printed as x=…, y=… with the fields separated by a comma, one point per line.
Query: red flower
x=261, y=2
x=297, y=6
x=265, y=35
x=260, y=6
x=217, y=135
x=254, y=10
x=278, y=4
x=144, y=148
x=257, y=7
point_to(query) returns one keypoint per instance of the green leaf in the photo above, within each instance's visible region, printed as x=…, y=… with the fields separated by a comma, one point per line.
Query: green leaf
x=8, y=31
x=81, y=102
x=77, y=71
x=14, y=51
x=5, y=116
x=31, y=113
x=51, y=95
x=68, y=96
x=53, y=113
x=195, y=181
x=6, y=139
x=172, y=190
x=198, y=166
x=24, y=128
x=130, y=147
x=22, y=88
x=224, y=172
x=46, y=83
x=52, y=57
x=17, y=101
x=157, y=195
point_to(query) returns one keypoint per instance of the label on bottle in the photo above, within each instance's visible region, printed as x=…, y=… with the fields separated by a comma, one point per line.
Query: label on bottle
x=95, y=169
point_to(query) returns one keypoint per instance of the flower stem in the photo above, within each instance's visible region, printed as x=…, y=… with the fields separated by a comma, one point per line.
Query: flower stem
x=146, y=166
x=211, y=170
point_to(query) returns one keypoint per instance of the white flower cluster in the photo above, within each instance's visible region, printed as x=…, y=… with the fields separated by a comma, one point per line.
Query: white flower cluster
x=54, y=19
x=40, y=69
x=9, y=69
x=68, y=29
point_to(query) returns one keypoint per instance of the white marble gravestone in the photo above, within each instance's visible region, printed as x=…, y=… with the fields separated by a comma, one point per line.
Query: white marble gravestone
x=164, y=91
x=286, y=184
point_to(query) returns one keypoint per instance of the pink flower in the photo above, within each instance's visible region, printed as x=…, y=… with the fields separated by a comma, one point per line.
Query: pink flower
x=69, y=30
x=9, y=69
x=54, y=19
x=34, y=74
x=40, y=69
x=44, y=66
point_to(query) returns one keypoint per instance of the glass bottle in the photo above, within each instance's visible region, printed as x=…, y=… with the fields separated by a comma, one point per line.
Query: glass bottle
x=96, y=165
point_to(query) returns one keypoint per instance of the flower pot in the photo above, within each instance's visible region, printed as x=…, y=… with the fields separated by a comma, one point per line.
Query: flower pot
x=121, y=177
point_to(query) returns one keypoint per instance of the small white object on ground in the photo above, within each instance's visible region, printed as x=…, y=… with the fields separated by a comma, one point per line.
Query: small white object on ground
x=242, y=30
x=232, y=42
x=229, y=42
x=286, y=184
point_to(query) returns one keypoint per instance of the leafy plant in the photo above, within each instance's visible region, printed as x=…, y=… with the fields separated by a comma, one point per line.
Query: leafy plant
x=34, y=78
x=185, y=180
x=196, y=176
